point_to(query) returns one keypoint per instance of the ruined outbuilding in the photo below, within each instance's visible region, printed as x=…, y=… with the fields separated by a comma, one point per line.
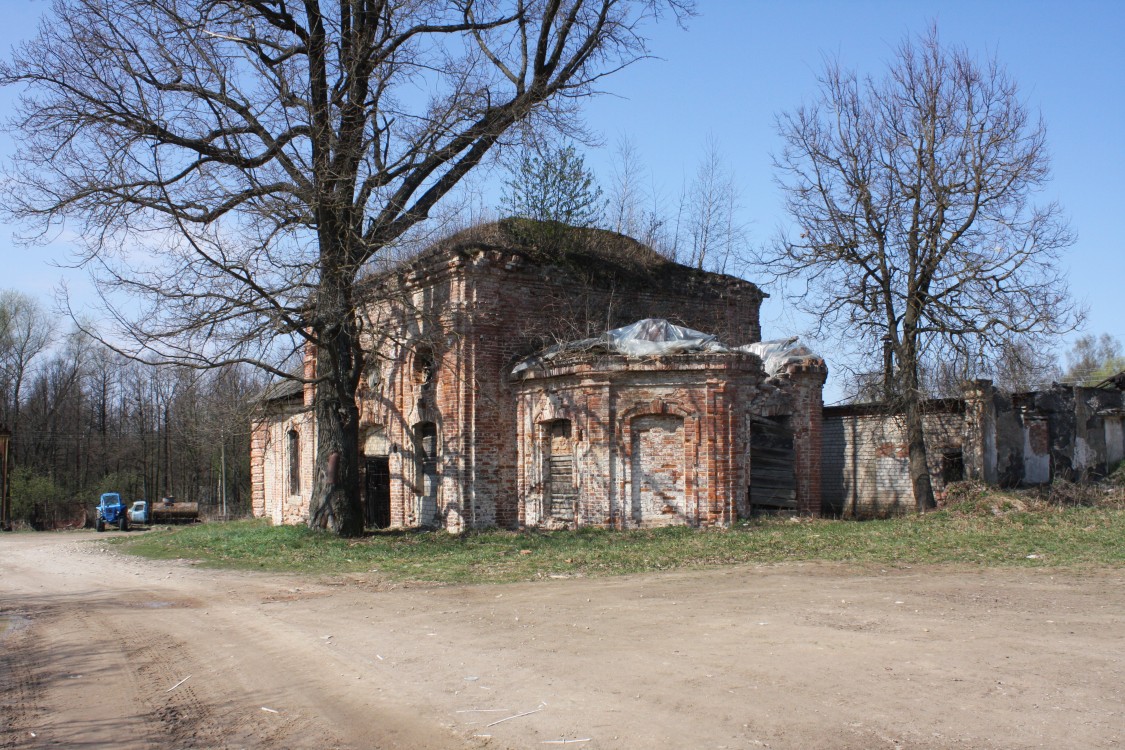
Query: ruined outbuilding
x=495, y=395
x=1065, y=432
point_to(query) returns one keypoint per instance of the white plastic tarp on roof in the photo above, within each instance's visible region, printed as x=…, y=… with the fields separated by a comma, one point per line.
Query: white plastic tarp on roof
x=777, y=353
x=655, y=336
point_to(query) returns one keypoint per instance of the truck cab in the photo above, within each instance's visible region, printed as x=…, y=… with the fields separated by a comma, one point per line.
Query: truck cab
x=140, y=513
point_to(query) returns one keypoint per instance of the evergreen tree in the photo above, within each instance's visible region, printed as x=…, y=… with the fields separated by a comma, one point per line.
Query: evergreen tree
x=553, y=184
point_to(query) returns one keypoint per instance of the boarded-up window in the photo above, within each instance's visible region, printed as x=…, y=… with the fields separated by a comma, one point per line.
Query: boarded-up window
x=658, y=469
x=561, y=491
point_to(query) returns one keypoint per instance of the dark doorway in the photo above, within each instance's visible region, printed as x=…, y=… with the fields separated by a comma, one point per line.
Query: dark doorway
x=952, y=466
x=377, y=493
x=773, y=483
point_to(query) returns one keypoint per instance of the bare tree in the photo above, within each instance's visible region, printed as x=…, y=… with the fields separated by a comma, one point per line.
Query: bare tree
x=1092, y=359
x=709, y=233
x=265, y=150
x=74, y=409
x=912, y=198
x=625, y=209
x=1018, y=365
x=25, y=333
x=636, y=209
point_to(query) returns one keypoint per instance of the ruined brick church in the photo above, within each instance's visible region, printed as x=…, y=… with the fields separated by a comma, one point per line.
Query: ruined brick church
x=522, y=375
x=528, y=376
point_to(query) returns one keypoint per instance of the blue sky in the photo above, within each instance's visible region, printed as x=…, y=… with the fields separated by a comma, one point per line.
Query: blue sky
x=740, y=62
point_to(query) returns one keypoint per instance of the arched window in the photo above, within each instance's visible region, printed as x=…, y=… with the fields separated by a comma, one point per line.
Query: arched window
x=423, y=366
x=426, y=446
x=294, y=463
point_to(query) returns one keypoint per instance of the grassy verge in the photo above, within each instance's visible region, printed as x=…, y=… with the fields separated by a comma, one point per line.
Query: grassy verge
x=985, y=529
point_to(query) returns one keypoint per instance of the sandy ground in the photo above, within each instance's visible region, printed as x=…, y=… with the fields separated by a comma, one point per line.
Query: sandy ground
x=101, y=650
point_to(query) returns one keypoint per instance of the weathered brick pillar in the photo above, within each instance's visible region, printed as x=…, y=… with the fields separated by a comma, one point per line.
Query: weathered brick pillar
x=259, y=429
x=807, y=379
x=978, y=442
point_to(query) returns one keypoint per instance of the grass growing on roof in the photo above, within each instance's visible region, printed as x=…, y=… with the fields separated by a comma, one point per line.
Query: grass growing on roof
x=999, y=532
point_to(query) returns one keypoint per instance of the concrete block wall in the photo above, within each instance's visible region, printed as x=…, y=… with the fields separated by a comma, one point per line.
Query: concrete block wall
x=1064, y=432
x=1069, y=432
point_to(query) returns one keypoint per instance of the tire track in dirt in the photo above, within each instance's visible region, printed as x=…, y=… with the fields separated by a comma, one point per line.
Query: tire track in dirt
x=20, y=691
x=172, y=684
x=104, y=643
x=157, y=665
x=171, y=680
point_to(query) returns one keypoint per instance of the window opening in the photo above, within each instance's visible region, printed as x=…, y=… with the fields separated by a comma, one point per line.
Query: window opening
x=294, y=463
x=424, y=366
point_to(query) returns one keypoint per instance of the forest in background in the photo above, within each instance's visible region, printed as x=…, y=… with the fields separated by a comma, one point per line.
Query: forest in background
x=85, y=420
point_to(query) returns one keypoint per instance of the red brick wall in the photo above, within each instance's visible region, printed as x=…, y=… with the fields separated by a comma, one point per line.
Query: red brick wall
x=516, y=312
x=656, y=441
x=269, y=464
x=479, y=312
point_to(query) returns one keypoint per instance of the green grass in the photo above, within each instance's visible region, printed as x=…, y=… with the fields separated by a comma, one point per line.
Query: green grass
x=1002, y=534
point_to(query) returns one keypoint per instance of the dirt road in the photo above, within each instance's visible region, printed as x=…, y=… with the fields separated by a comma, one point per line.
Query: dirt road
x=100, y=650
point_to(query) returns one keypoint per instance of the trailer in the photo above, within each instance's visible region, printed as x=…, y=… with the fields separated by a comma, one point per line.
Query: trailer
x=168, y=510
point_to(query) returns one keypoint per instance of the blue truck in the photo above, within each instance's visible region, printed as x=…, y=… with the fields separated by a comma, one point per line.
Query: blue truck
x=111, y=512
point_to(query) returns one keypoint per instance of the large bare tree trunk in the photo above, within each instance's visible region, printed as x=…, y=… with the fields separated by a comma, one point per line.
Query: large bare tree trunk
x=911, y=400
x=335, y=503
x=919, y=469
